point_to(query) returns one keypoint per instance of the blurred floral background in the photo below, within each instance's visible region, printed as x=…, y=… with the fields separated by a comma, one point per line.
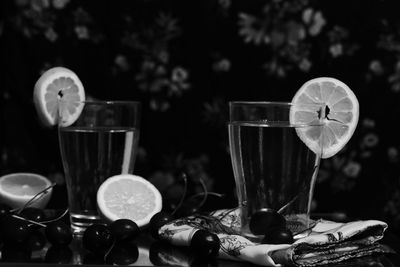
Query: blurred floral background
x=184, y=60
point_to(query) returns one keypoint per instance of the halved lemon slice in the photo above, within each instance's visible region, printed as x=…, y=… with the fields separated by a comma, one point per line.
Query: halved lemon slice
x=16, y=189
x=340, y=116
x=128, y=196
x=58, y=91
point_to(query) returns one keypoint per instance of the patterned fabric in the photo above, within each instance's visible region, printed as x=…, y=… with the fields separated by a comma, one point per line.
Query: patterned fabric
x=328, y=242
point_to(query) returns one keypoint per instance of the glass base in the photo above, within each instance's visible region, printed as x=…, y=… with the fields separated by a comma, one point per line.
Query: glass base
x=79, y=222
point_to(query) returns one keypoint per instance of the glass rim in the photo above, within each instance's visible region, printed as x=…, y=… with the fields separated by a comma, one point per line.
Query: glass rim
x=105, y=102
x=266, y=105
x=271, y=103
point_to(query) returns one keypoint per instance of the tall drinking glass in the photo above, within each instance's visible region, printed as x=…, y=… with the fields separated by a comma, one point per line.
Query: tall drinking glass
x=102, y=142
x=273, y=167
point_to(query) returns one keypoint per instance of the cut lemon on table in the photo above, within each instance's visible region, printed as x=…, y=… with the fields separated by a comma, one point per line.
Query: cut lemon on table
x=128, y=196
x=58, y=91
x=339, y=115
x=17, y=189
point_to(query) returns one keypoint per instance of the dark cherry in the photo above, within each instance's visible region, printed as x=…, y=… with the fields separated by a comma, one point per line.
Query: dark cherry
x=278, y=236
x=266, y=219
x=97, y=238
x=124, y=253
x=33, y=214
x=36, y=239
x=124, y=230
x=188, y=208
x=158, y=220
x=205, y=244
x=58, y=233
x=59, y=255
x=14, y=230
x=15, y=253
x=4, y=210
x=93, y=259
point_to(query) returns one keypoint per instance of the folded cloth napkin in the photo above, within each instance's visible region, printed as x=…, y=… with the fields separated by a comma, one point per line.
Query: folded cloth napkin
x=326, y=243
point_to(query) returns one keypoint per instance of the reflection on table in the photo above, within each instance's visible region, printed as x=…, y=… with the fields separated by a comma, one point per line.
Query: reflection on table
x=143, y=251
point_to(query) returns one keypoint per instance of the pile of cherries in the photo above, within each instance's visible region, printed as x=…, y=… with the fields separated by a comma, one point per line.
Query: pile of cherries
x=272, y=225
x=27, y=230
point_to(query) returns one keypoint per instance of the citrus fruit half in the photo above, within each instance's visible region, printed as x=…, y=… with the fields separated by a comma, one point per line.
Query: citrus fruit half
x=17, y=189
x=58, y=91
x=128, y=196
x=339, y=115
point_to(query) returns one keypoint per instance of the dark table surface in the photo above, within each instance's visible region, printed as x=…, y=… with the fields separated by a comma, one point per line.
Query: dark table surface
x=145, y=251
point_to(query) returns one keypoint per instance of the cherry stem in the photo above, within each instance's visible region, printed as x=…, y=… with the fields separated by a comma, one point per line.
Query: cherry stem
x=109, y=250
x=34, y=198
x=209, y=193
x=56, y=219
x=288, y=204
x=30, y=221
x=184, y=177
x=227, y=213
x=312, y=225
x=205, y=192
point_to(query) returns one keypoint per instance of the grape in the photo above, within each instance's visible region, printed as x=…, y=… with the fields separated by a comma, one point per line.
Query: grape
x=58, y=233
x=278, y=236
x=124, y=230
x=97, y=238
x=33, y=214
x=157, y=221
x=123, y=254
x=266, y=219
x=59, y=255
x=205, y=244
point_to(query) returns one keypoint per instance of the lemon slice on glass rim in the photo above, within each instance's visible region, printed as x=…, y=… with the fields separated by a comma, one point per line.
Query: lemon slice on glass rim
x=339, y=117
x=58, y=91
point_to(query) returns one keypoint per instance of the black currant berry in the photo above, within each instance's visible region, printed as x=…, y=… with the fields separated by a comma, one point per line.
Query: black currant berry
x=124, y=230
x=58, y=233
x=266, y=219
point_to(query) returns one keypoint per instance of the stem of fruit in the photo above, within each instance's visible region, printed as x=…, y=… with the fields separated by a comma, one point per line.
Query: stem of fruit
x=23, y=219
x=34, y=198
x=205, y=191
x=183, y=195
x=109, y=250
x=56, y=219
x=288, y=204
x=209, y=193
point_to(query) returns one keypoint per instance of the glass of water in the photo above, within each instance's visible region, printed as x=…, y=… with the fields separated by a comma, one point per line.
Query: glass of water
x=273, y=167
x=102, y=142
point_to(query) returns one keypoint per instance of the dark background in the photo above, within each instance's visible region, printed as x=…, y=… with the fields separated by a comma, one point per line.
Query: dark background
x=184, y=60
